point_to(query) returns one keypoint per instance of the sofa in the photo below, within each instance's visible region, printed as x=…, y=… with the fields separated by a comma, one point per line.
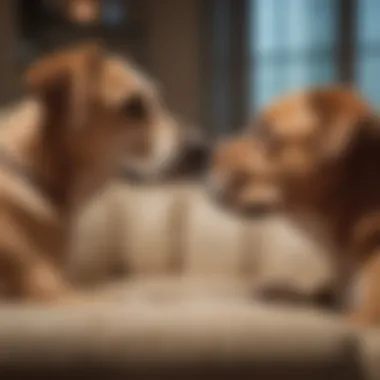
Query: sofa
x=175, y=279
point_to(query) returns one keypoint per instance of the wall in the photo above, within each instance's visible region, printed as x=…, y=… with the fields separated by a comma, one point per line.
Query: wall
x=172, y=38
x=171, y=51
x=9, y=78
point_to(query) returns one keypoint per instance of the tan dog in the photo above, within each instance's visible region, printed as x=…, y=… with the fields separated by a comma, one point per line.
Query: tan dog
x=322, y=148
x=87, y=113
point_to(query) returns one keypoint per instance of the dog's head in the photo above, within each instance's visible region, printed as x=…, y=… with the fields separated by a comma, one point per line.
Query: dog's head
x=292, y=152
x=306, y=132
x=102, y=113
x=243, y=178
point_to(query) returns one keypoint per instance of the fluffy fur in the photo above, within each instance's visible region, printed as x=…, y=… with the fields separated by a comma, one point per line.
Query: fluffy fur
x=88, y=114
x=320, y=157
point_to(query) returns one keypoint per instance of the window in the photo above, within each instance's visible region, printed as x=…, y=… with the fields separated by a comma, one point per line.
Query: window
x=293, y=45
x=368, y=49
x=113, y=12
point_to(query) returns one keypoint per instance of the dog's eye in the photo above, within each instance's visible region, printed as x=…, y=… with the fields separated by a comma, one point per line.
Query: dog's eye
x=135, y=107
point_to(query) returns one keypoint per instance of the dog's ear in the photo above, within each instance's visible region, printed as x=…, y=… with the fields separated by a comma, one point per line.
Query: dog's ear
x=342, y=114
x=66, y=83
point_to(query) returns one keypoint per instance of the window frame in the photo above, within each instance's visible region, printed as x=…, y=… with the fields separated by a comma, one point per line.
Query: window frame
x=236, y=63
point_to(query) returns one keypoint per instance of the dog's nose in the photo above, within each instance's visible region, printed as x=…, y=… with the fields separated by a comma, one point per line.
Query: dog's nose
x=136, y=107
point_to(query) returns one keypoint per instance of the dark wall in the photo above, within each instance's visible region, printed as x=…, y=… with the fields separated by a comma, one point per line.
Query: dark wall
x=167, y=43
x=9, y=77
x=173, y=51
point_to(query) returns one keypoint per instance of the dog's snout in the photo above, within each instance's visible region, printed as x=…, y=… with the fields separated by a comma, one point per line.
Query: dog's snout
x=136, y=107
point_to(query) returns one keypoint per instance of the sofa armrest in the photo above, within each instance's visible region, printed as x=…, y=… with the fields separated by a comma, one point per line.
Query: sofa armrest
x=146, y=338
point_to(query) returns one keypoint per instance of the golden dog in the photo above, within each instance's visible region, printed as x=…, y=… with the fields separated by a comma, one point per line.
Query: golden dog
x=88, y=114
x=319, y=156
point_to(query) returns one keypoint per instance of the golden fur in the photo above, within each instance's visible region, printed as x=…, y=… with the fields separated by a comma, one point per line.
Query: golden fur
x=321, y=150
x=88, y=113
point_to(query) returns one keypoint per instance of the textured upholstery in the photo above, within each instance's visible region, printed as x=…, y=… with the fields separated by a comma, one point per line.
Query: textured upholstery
x=176, y=277
x=140, y=336
x=176, y=230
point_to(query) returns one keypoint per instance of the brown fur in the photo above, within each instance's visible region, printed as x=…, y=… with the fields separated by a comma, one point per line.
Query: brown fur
x=87, y=112
x=323, y=147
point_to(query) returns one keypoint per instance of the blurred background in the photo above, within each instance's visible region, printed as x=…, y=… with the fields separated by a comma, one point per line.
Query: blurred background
x=217, y=60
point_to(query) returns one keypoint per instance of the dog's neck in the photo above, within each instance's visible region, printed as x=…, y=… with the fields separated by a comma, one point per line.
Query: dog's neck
x=311, y=192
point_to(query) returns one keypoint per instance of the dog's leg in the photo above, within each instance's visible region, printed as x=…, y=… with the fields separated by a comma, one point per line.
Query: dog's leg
x=25, y=272
x=367, y=311
x=42, y=282
x=30, y=278
x=45, y=284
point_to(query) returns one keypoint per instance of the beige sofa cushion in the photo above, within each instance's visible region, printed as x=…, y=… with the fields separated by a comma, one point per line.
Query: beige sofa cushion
x=183, y=306
x=158, y=231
